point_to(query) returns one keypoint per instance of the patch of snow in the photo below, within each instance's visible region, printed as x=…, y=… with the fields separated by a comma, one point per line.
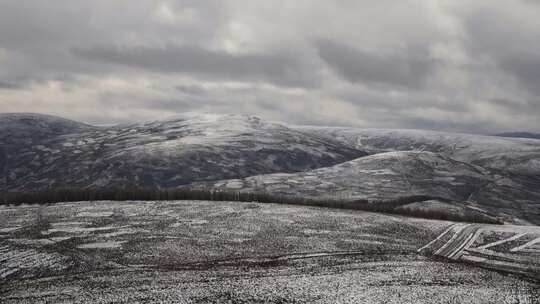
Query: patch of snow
x=188, y=222
x=102, y=245
x=121, y=232
x=9, y=229
x=312, y=231
x=235, y=184
x=30, y=242
x=79, y=229
x=95, y=214
x=68, y=224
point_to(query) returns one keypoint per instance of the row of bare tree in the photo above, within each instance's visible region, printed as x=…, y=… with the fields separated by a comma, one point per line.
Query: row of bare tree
x=146, y=194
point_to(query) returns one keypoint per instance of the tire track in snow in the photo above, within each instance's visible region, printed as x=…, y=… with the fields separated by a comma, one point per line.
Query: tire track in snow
x=528, y=244
x=459, y=247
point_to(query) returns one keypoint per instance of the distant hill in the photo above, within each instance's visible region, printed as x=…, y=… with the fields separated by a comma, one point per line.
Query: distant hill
x=496, y=175
x=23, y=127
x=47, y=152
x=519, y=135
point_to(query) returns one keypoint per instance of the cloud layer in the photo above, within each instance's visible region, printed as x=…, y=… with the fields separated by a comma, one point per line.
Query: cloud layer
x=456, y=66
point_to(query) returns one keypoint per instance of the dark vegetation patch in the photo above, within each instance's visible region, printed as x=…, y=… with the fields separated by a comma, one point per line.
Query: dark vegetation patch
x=185, y=193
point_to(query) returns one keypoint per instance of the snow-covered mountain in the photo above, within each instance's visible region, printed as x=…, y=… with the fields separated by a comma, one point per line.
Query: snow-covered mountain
x=380, y=176
x=25, y=128
x=392, y=175
x=519, y=135
x=168, y=153
x=517, y=155
x=499, y=176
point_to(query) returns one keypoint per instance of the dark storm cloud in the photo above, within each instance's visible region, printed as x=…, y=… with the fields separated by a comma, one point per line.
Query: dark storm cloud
x=278, y=68
x=406, y=68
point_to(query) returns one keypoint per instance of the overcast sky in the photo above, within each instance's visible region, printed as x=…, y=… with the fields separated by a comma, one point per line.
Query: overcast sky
x=456, y=65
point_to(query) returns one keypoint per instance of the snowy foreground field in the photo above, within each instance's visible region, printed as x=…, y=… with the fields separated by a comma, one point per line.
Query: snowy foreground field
x=222, y=252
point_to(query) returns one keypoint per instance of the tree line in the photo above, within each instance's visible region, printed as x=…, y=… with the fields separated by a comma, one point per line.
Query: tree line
x=51, y=196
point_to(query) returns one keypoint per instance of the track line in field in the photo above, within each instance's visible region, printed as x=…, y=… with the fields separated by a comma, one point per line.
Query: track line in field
x=438, y=238
x=519, y=248
x=476, y=235
x=462, y=246
x=450, y=242
x=469, y=238
x=514, y=237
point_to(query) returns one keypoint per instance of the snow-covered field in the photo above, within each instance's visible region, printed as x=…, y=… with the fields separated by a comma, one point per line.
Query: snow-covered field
x=223, y=252
x=505, y=248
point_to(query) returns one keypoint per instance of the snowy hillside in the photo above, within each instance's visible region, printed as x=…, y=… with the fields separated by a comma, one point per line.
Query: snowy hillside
x=500, y=176
x=165, y=153
x=391, y=175
x=26, y=127
x=375, y=177
x=521, y=156
x=519, y=135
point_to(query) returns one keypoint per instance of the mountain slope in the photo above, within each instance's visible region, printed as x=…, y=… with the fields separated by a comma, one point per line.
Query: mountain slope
x=500, y=176
x=519, y=135
x=25, y=128
x=393, y=175
x=519, y=156
x=164, y=153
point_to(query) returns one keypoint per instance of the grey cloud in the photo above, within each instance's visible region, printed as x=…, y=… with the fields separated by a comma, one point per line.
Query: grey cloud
x=501, y=29
x=186, y=104
x=9, y=86
x=278, y=68
x=503, y=40
x=25, y=24
x=526, y=68
x=426, y=123
x=406, y=68
x=384, y=102
x=36, y=36
x=85, y=59
x=518, y=107
x=191, y=89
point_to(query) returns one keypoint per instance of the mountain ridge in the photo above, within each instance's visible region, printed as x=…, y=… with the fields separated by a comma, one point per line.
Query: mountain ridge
x=519, y=135
x=239, y=152
x=166, y=153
